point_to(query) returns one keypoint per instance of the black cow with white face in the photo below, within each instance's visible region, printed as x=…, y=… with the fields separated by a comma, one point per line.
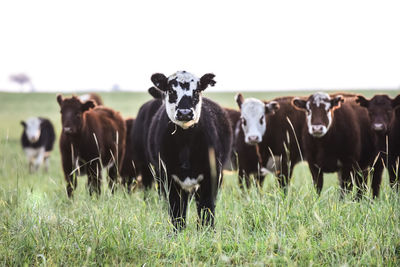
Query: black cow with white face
x=189, y=140
x=337, y=138
x=37, y=140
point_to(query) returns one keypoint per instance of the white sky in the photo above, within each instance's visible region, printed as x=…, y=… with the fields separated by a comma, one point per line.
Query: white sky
x=249, y=45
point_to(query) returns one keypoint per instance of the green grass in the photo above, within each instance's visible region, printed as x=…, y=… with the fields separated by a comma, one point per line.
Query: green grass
x=39, y=225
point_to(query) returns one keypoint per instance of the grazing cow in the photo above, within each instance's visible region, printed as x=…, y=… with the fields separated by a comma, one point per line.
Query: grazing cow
x=384, y=114
x=91, y=96
x=189, y=141
x=37, y=141
x=127, y=172
x=92, y=137
x=337, y=138
x=268, y=138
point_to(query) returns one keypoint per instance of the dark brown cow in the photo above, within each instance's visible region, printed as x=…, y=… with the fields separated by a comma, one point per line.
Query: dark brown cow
x=128, y=172
x=384, y=113
x=92, y=96
x=265, y=131
x=234, y=117
x=92, y=137
x=337, y=138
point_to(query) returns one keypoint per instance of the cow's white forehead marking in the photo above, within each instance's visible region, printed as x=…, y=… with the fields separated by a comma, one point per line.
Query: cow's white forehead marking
x=321, y=98
x=33, y=123
x=184, y=77
x=252, y=107
x=84, y=98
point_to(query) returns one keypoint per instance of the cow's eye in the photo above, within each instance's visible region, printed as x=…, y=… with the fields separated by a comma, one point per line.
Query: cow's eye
x=244, y=121
x=262, y=120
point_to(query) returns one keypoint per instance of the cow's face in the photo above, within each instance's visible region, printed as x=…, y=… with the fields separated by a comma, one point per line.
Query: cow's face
x=380, y=110
x=253, y=117
x=319, y=109
x=32, y=128
x=183, y=95
x=72, y=110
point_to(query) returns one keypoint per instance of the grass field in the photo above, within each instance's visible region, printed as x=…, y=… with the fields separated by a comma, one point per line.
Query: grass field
x=39, y=225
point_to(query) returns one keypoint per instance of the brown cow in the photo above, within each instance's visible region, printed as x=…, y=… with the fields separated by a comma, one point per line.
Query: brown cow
x=265, y=131
x=337, y=138
x=128, y=172
x=384, y=113
x=92, y=137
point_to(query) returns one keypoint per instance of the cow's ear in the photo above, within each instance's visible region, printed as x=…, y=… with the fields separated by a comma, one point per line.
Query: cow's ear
x=206, y=80
x=362, y=101
x=59, y=99
x=160, y=81
x=299, y=103
x=271, y=107
x=87, y=105
x=155, y=93
x=239, y=99
x=337, y=101
x=396, y=102
x=23, y=124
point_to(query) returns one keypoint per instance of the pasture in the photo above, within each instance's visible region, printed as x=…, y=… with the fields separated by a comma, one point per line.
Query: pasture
x=39, y=225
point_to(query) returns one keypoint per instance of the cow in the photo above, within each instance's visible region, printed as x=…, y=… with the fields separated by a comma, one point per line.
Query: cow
x=336, y=138
x=128, y=172
x=384, y=114
x=268, y=139
x=96, y=98
x=92, y=137
x=189, y=141
x=234, y=117
x=139, y=134
x=37, y=141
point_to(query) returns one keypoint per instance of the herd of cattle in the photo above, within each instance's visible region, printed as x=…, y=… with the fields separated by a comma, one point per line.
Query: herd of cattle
x=183, y=141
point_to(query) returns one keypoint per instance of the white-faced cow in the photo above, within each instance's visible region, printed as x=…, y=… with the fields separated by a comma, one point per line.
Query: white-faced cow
x=37, y=141
x=190, y=139
x=92, y=137
x=384, y=113
x=337, y=138
x=267, y=139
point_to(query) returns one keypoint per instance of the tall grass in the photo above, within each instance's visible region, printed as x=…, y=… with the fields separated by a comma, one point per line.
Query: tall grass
x=39, y=225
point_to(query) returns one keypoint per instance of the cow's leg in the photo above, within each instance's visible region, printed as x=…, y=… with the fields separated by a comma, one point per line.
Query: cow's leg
x=283, y=175
x=377, y=177
x=39, y=158
x=112, y=177
x=205, y=208
x=67, y=164
x=318, y=177
x=177, y=201
x=242, y=175
x=346, y=183
x=147, y=176
x=46, y=162
x=94, y=177
x=394, y=171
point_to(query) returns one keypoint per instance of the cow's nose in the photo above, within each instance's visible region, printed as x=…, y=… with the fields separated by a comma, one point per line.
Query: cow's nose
x=184, y=114
x=318, y=129
x=378, y=126
x=67, y=129
x=254, y=139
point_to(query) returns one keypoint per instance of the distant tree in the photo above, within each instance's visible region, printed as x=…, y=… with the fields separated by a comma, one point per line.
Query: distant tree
x=22, y=79
x=116, y=88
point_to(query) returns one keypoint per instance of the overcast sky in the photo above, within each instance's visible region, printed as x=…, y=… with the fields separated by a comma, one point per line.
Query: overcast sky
x=249, y=45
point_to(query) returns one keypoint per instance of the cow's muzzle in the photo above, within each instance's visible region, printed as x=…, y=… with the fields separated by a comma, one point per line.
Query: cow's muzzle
x=184, y=115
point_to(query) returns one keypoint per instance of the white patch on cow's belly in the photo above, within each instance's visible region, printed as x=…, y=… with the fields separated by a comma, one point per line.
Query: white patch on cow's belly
x=189, y=184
